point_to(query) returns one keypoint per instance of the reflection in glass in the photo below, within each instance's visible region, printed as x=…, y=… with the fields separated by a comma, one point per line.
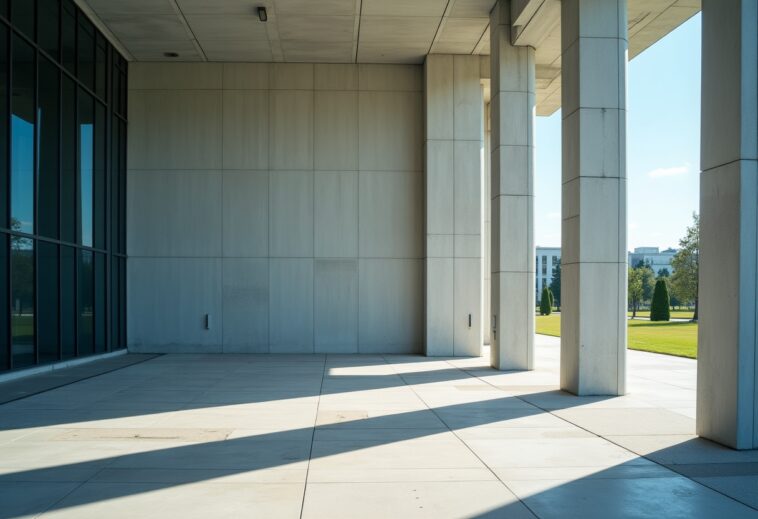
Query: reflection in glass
x=22, y=301
x=85, y=276
x=22, y=137
x=49, y=131
x=47, y=301
x=68, y=302
x=86, y=157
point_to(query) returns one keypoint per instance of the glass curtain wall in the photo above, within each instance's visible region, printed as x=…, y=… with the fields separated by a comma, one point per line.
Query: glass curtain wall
x=62, y=186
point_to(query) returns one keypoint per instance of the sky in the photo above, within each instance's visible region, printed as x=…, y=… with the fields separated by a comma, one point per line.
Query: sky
x=663, y=146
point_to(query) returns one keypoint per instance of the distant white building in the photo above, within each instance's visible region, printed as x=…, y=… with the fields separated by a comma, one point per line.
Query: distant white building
x=547, y=258
x=657, y=259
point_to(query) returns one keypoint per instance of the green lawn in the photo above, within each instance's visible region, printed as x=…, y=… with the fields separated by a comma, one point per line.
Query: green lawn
x=671, y=338
x=675, y=314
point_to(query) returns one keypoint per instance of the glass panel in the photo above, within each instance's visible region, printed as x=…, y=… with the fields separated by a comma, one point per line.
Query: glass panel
x=115, y=304
x=122, y=189
x=85, y=277
x=115, y=185
x=49, y=124
x=86, y=50
x=100, y=310
x=68, y=302
x=122, y=301
x=22, y=137
x=48, y=14
x=116, y=88
x=68, y=162
x=99, y=179
x=5, y=350
x=3, y=127
x=22, y=299
x=122, y=101
x=4, y=8
x=68, y=35
x=86, y=157
x=101, y=66
x=22, y=13
x=47, y=301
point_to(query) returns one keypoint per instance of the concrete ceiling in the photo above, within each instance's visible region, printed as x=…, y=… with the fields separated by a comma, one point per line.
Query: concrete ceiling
x=356, y=31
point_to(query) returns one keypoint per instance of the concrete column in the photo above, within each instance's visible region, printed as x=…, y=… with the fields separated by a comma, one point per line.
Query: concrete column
x=594, y=264
x=727, y=385
x=512, y=192
x=453, y=99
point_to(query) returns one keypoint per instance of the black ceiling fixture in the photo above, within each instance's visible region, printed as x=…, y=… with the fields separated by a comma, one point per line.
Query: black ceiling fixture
x=171, y=54
x=262, y=15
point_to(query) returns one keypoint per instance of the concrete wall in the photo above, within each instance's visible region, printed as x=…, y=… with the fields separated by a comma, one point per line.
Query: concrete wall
x=454, y=139
x=286, y=201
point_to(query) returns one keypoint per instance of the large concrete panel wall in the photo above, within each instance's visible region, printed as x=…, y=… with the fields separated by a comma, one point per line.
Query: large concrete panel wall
x=285, y=201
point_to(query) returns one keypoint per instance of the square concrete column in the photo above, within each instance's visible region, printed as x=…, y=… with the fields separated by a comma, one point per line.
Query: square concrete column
x=454, y=133
x=512, y=196
x=593, y=238
x=727, y=385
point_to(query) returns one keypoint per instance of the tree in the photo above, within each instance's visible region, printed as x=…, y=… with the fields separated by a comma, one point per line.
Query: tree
x=634, y=290
x=551, y=298
x=555, y=284
x=545, y=302
x=660, y=307
x=686, y=263
x=648, y=282
x=664, y=273
x=641, y=283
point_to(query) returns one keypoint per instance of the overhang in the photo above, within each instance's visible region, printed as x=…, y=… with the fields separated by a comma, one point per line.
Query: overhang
x=356, y=31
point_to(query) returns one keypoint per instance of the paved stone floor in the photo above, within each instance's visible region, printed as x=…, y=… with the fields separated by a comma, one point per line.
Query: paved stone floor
x=366, y=436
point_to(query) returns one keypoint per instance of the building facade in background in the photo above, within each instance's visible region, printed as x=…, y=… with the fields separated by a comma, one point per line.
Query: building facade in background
x=655, y=258
x=546, y=260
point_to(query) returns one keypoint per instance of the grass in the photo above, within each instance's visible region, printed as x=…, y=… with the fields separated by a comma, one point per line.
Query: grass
x=675, y=314
x=670, y=338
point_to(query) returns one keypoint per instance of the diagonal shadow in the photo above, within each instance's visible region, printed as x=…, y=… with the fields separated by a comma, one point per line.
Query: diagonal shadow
x=134, y=473
x=45, y=409
x=178, y=465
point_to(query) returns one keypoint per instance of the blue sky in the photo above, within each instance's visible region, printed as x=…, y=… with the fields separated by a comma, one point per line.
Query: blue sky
x=663, y=146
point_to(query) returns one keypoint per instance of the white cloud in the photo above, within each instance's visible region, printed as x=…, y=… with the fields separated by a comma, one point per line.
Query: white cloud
x=554, y=215
x=669, y=172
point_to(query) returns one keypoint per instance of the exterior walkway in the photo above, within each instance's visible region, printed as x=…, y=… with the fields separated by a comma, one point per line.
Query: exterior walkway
x=366, y=436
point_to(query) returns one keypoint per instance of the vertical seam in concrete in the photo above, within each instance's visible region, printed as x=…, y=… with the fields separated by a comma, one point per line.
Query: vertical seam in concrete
x=455, y=235
x=313, y=211
x=358, y=212
x=221, y=209
x=269, y=94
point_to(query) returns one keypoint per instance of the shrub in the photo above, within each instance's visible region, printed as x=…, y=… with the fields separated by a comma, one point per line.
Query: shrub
x=545, y=307
x=660, y=307
x=552, y=299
